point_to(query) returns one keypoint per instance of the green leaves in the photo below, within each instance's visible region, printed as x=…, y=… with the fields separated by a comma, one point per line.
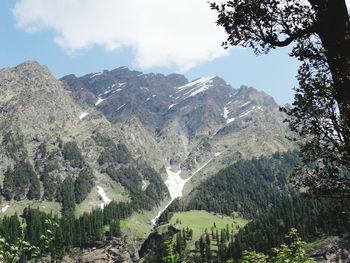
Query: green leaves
x=11, y=253
x=172, y=255
x=292, y=252
x=321, y=112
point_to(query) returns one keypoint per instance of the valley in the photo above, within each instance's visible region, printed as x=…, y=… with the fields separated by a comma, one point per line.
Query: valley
x=131, y=160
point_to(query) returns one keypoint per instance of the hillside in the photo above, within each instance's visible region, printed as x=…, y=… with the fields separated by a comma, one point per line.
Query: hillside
x=50, y=141
x=180, y=123
x=124, y=142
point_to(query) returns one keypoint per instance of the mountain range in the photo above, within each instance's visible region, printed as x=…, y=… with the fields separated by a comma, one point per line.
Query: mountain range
x=75, y=144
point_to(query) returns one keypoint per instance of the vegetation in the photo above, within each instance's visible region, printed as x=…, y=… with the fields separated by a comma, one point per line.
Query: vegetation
x=83, y=184
x=227, y=191
x=200, y=221
x=112, y=153
x=320, y=114
x=271, y=220
x=50, y=183
x=293, y=251
x=313, y=218
x=45, y=234
x=14, y=146
x=66, y=195
x=72, y=153
x=121, y=168
x=172, y=256
x=20, y=182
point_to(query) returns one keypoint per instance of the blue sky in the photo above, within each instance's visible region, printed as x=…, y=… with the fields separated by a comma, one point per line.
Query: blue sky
x=70, y=43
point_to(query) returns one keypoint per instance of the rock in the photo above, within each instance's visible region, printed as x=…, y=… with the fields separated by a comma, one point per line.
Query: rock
x=118, y=250
x=332, y=250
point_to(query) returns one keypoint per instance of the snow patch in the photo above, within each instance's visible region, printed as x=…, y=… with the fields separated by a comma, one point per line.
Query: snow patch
x=175, y=185
x=245, y=114
x=226, y=112
x=172, y=105
x=196, y=82
x=246, y=103
x=230, y=120
x=99, y=100
x=110, y=89
x=4, y=208
x=96, y=74
x=258, y=107
x=145, y=184
x=83, y=115
x=121, y=107
x=105, y=199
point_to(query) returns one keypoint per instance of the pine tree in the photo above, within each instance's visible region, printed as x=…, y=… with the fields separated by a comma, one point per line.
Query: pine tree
x=67, y=195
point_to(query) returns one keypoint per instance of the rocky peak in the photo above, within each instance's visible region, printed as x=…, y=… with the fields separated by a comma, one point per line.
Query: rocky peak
x=29, y=75
x=177, y=79
x=35, y=99
x=246, y=93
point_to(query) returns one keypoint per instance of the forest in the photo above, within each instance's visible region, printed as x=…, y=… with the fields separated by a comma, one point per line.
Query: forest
x=272, y=206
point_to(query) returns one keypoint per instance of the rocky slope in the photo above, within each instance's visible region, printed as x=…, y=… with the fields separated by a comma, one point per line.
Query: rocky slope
x=39, y=117
x=182, y=123
x=140, y=124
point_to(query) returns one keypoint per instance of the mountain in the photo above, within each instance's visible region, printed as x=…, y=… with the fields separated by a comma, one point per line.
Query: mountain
x=75, y=144
x=50, y=144
x=183, y=123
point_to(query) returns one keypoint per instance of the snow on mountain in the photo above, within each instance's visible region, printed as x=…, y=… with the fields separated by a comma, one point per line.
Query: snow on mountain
x=197, y=82
x=96, y=74
x=4, y=208
x=246, y=103
x=195, y=87
x=83, y=115
x=116, y=87
x=99, y=101
x=254, y=108
x=226, y=112
x=175, y=185
x=103, y=196
x=120, y=107
x=230, y=120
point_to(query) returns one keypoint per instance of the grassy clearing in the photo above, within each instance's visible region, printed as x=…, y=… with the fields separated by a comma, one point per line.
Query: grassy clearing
x=138, y=224
x=18, y=207
x=199, y=221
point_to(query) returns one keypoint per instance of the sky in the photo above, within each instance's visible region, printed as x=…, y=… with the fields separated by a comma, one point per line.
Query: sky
x=162, y=36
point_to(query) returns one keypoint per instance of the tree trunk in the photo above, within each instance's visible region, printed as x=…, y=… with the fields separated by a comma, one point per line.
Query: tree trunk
x=334, y=31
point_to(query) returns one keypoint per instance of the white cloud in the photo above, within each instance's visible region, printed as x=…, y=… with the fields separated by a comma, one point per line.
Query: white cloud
x=178, y=33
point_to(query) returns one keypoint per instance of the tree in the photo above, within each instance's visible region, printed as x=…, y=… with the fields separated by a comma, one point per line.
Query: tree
x=172, y=256
x=83, y=184
x=320, y=33
x=72, y=153
x=293, y=251
x=67, y=197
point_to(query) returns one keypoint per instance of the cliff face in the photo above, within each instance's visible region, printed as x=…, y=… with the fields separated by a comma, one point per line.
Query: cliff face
x=185, y=123
x=38, y=116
